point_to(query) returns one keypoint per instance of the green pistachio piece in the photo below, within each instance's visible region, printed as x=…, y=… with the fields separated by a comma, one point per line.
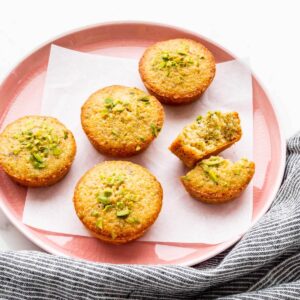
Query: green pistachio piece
x=183, y=53
x=38, y=165
x=132, y=220
x=104, y=200
x=110, y=181
x=120, y=204
x=107, y=207
x=154, y=130
x=109, y=103
x=165, y=56
x=29, y=146
x=144, y=99
x=99, y=223
x=37, y=157
x=213, y=161
x=107, y=193
x=49, y=138
x=212, y=174
x=130, y=197
x=120, y=179
x=123, y=213
x=95, y=213
x=16, y=151
x=199, y=118
x=114, y=132
x=162, y=65
x=56, y=151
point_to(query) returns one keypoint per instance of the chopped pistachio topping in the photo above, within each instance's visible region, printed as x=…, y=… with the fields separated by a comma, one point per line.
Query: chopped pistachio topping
x=179, y=58
x=182, y=52
x=56, y=151
x=154, y=130
x=41, y=142
x=125, y=117
x=114, y=197
x=16, y=151
x=114, y=132
x=113, y=105
x=104, y=200
x=144, y=99
x=123, y=213
x=120, y=204
x=237, y=171
x=95, y=213
x=132, y=220
x=199, y=118
x=225, y=174
x=99, y=223
x=213, y=161
x=108, y=207
x=210, y=172
x=130, y=197
x=37, y=157
x=109, y=103
x=107, y=193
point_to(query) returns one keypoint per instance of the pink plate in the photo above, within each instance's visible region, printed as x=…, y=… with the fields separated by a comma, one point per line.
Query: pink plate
x=21, y=94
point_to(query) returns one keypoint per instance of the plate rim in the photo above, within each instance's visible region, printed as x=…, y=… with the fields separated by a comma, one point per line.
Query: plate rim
x=24, y=229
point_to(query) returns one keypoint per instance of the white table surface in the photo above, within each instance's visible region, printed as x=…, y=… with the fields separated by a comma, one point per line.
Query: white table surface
x=266, y=31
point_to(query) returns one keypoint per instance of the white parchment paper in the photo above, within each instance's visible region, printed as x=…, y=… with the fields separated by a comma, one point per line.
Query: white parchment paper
x=71, y=77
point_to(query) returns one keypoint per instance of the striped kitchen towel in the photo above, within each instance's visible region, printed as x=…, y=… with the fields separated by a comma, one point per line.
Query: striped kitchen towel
x=265, y=264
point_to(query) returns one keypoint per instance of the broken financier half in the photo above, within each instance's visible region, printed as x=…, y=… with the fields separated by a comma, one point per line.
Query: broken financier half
x=217, y=180
x=208, y=135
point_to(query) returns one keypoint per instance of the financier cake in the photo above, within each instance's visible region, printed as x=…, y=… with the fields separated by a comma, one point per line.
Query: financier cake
x=208, y=135
x=36, y=150
x=217, y=180
x=118, y=201
x=121, y=121
x=177, y=71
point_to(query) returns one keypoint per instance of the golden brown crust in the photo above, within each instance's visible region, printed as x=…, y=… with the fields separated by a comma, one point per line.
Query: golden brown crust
x=117, y=241
x=190, y=155
x=116, y=230
x=157, y=84
x=218, y=195
x=24, y=175
x=135, y=134
x=46, y=181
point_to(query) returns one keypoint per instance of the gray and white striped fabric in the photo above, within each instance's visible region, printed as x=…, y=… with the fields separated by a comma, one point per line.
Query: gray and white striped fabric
x=265, y=264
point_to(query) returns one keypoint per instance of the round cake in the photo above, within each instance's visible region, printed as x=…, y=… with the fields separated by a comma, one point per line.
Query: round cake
x=217, y=180
x=177, y=71
x=118, y=201
x=36, y=150
x=121, y=121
